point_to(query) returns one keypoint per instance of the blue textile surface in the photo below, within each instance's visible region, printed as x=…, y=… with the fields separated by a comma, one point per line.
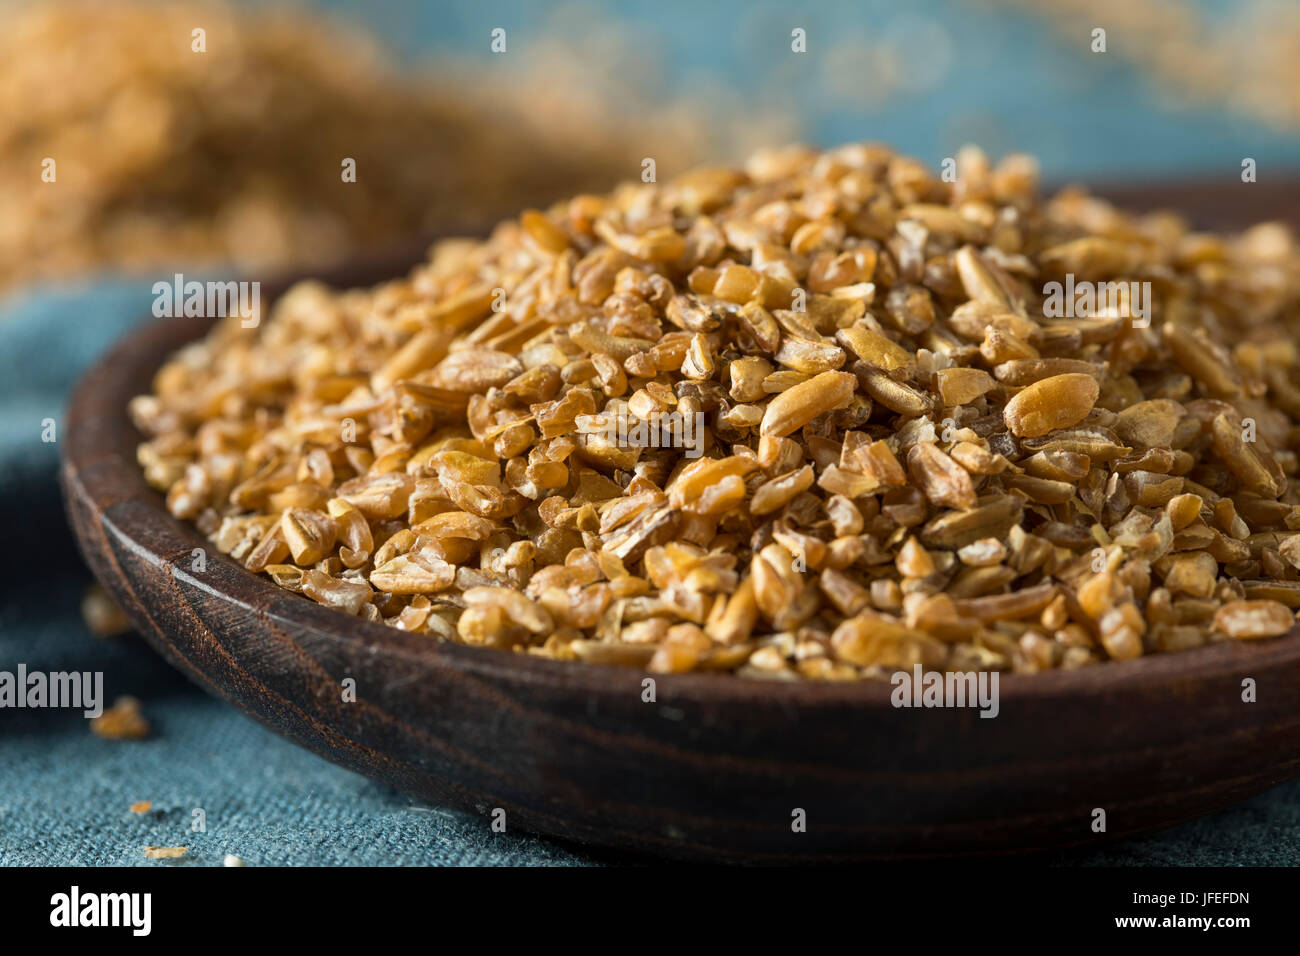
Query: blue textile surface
x=65, y=793
x=1005, y=76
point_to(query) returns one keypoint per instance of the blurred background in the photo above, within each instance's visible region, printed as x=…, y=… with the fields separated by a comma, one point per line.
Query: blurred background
x=166, y=153
x=127, y=153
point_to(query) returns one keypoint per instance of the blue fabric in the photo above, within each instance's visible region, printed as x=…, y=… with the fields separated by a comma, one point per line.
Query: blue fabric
x=987, y=73
x=65, y=793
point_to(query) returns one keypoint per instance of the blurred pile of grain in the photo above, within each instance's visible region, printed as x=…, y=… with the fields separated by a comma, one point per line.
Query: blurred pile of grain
x=1247, y=57
x=166, y=155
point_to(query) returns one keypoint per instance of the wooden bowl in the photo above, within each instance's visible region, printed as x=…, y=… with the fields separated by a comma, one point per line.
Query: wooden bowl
x=715, y=767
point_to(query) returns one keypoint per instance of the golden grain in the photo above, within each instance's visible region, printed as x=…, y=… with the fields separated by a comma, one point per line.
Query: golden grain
x=899, y=459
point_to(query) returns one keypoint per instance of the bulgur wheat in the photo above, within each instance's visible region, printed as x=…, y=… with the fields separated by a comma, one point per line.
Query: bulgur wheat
x=903, y=459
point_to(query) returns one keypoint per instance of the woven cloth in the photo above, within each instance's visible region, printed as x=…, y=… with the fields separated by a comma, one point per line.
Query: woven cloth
x=65, y=793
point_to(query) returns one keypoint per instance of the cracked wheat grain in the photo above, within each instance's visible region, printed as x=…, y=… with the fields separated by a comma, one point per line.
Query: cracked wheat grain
x=904, y=460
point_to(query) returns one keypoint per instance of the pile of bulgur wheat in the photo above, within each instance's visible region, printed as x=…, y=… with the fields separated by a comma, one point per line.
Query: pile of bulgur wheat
x=906, y=461
x=167, y=155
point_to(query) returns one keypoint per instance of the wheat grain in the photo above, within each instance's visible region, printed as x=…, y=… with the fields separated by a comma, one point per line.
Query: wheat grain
x=900, y=458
